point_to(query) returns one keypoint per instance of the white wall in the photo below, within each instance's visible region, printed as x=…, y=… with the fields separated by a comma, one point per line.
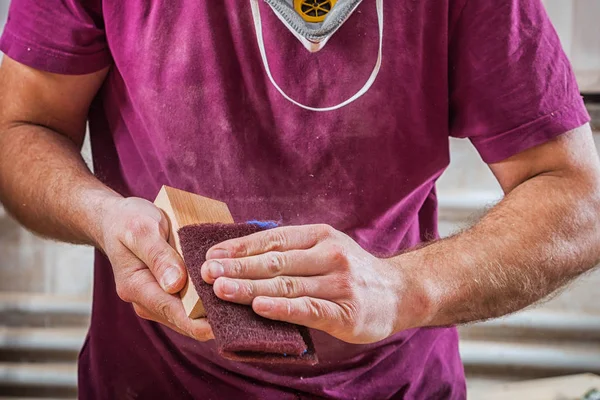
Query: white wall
x=577, y=24
x=3, y=13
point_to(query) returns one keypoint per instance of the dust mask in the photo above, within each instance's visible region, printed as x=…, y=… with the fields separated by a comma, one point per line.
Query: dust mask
x=313, y=23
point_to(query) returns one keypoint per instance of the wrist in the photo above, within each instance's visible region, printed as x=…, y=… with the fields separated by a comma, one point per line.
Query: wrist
x=100, y=203
x=418, y=293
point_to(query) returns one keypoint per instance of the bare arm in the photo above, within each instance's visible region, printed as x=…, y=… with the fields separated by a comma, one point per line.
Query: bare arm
x=44, y=182
x=541, y=236
x=46, y=185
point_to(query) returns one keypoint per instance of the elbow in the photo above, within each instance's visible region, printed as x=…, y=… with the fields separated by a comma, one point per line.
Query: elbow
x=585, y=210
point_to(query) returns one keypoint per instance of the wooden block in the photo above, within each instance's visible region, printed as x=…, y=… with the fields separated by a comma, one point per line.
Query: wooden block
x=184, y=208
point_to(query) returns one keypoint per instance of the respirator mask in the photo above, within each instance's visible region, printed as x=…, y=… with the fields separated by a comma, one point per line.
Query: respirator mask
x=313, y=23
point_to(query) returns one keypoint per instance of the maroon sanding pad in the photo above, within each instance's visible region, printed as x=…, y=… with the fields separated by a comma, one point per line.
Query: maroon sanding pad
x=240, y=333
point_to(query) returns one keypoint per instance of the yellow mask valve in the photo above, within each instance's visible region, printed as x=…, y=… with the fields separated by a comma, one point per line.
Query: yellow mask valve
x=314, y=10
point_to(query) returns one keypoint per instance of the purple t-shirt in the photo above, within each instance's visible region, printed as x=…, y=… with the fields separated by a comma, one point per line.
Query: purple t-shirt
x=187, y=103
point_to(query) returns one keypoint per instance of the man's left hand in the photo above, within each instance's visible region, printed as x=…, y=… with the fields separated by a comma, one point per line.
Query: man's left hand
x=318, y=277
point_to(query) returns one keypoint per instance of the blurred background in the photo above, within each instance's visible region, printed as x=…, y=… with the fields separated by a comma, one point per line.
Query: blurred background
x=45, y=287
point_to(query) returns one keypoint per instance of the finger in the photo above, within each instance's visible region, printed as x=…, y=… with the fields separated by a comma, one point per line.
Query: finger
x=198, y=329
x=147, y=240
x=198, y=326
x=166, y=307
x=269, y=265
x=306, y=311
x=277, y=239
x=146, y=314
x=125, y=266
x=244, y=291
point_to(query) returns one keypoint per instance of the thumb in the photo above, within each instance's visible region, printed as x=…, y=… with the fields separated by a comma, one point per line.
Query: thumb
x=149, y=245
x=173, y=278
x=164, y=263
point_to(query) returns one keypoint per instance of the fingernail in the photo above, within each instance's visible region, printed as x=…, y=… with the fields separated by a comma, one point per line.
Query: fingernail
x=215, y=269
x=230, y=287
x=217, y=253
x=170, y=277
x=263, y=305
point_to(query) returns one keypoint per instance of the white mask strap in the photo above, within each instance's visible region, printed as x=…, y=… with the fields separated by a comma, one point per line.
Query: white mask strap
x=365, y=88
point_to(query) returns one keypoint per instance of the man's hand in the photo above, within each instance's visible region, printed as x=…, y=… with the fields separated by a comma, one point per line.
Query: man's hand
x=541, y=236
x=42, y=127
x=148, y=271
x=317, y=277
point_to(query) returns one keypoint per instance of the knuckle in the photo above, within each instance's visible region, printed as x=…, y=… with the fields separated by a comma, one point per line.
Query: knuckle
x=200, y=334
x=247, y=290
x=315, y=309
x=186, y=329
x=136, y=228
x=158, y=256
x=236, y=268
x=349, y=313
x=325, y=231
x=124, y=292
x=141, y=312
x=338, y=255
x=291, y=311
x=344, y=284
x=276, y=239
x=238, y=248
x=162, y=308
x=275, y=263
x=291, y=287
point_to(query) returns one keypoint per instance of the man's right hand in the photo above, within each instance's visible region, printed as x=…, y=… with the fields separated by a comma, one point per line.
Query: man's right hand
x=45, y=184
x=148, y=271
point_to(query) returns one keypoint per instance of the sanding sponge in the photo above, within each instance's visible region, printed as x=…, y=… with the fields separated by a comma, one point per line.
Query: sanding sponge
x=240, y=333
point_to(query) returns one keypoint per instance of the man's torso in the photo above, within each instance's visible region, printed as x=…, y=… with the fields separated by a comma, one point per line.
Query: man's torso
x=187, y=103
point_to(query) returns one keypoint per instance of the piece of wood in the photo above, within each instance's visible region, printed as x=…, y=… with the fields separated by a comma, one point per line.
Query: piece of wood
x=184, y=208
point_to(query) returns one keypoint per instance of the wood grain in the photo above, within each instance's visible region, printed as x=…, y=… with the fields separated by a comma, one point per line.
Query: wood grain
x=184, y=208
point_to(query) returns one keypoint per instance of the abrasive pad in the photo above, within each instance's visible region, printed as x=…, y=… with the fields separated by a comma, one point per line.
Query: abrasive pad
x=240, y=333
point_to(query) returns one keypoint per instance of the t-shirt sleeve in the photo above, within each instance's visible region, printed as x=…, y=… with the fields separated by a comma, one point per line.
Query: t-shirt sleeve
x=59, y=36
x=511, y=84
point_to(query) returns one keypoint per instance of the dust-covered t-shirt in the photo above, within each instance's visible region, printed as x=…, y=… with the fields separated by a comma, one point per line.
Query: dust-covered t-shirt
x=187, y=103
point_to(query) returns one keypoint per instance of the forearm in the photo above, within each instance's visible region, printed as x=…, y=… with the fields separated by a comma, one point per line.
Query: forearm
x=541, y=236
x=46, y=185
